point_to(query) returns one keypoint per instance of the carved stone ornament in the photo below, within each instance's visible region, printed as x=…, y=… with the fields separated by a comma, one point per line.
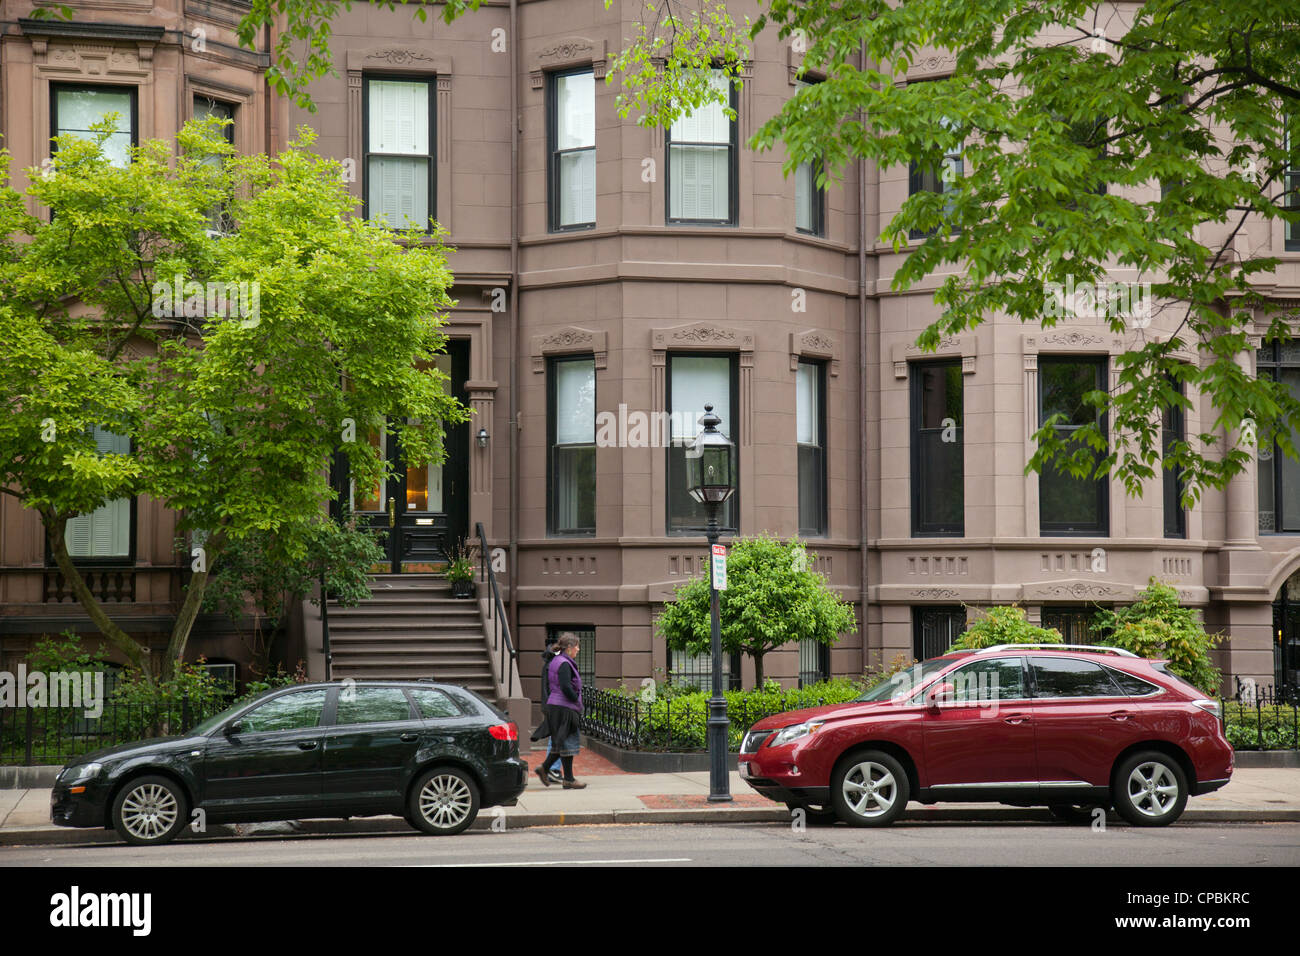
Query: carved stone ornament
x=400, y=56
x=569, y=340
x=814, y=343
x=703, y=335
x=934, y=594
x=567, y=596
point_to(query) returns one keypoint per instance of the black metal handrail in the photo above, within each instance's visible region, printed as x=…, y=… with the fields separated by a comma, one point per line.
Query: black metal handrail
x=501, y=643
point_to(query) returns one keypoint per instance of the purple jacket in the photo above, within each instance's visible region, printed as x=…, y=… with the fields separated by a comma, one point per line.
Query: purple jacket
x=570, y=682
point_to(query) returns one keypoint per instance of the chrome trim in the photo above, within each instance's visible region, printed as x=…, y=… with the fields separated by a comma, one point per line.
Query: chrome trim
x=1091, y=648
x=1015, y=784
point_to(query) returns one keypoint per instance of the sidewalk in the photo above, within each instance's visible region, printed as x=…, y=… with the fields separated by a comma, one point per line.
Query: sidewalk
x=1255, y=795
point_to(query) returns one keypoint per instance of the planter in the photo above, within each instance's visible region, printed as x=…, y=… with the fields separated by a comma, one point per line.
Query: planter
x=462, y=589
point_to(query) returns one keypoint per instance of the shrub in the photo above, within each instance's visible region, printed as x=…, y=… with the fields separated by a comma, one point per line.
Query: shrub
x=143, y=709
x=1156, y=625
x=1004, y=625
x=1268, y=727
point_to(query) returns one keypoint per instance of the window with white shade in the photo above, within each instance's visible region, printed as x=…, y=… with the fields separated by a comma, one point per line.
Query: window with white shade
x=76, y=108
x=809, y=198
x=810, y=426
x=572, y=132
x=399, y=152
x=693, y=382
x=106, y=531
x=702, y=162
x=219, y=219
x=572, y=446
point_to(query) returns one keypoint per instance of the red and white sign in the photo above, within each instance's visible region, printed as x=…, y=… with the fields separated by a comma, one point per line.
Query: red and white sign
x=720, y=566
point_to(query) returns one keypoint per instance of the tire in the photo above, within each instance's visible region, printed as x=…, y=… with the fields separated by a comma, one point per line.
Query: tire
x=883, y=803
x=443, y=802
x=1077, y=813
x=150, y=811
x=1150, y=789
x=815, y=816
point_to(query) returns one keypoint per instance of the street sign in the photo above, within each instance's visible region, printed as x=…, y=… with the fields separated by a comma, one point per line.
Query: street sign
x=720, y=566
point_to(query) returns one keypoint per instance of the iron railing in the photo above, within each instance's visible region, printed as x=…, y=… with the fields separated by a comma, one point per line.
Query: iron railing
x=508, y=657
x=31, y=736
x=1264, y=718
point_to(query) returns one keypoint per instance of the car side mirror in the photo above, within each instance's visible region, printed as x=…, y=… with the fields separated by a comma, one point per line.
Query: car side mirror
x=939, y=694
x=234, y=727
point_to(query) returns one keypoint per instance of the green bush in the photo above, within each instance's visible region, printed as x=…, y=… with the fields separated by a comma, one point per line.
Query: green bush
x=1006, y=624
x=1156, y=625
x=1269, y=728
x=141, y=709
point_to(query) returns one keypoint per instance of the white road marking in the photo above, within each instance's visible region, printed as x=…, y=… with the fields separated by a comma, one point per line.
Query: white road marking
x=666, y=859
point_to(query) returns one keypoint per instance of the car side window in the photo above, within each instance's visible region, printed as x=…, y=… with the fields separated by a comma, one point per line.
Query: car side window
x=1001, y=678
x=1131, y=685
x=369, y=705
x=289, y=712
x=1069, y=677
x=434, y=703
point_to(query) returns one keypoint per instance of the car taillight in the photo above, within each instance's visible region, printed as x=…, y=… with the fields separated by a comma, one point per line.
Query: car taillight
x=504, y=731
x=1209, y=706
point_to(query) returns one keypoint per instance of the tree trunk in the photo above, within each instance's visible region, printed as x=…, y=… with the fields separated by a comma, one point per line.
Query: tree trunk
x=138, y=654
x=758, y=671
x=190, y=606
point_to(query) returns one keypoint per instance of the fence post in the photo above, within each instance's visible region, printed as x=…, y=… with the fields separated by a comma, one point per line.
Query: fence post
x=1259, y=725
x=28, y=748
x=185, y=712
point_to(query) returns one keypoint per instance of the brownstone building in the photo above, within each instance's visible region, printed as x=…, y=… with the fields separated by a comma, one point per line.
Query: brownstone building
x=610, y=280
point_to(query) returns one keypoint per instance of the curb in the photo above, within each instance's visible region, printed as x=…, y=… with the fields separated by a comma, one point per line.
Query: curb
x=64, y=836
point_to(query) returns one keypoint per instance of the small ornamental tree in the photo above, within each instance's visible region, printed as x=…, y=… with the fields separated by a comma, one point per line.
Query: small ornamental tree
x=1004, y=625
x=1156, y=625
x=772, y=598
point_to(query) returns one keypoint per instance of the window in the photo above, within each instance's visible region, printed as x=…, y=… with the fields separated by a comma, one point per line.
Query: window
x=1073, y=623
x=1279, y=476
x=1067, y=677
x=572, y=428
x=696, y=670
x=702, y=163
x=204, y=107
x=1291, y=186
x=941, y=179
x=572, y=133
x=586, y=659
x=934, y=629
x=1068, y=505
x=810, y=425
x=1001, y=678
x=1173, y=429
x=938, y=452
x=809, y=198
x=76, y=108
x=371, y=705
x=106, y=531
x=1132, y=686
x=399, y=152
x=291, y=712
x=693, y=382
x=814, y=662
x=434, y=704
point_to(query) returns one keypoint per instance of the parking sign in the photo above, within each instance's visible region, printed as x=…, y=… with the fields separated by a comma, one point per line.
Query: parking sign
x=720, y=566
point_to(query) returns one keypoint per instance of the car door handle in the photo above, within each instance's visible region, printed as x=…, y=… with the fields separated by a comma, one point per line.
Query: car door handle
x=1119, y=715
x=1016, y=718
x=409, y=737
x=308, y=744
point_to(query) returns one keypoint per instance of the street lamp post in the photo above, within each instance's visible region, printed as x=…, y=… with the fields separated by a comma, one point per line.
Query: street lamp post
x=709, y=479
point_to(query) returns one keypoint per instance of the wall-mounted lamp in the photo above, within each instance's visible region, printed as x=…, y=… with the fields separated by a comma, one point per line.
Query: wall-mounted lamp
x=482, y=438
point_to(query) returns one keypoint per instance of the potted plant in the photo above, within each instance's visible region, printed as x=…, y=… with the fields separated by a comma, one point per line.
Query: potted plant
x=460, y=572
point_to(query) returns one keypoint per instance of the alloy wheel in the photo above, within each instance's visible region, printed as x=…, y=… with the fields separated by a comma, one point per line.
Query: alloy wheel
x=149, y=811
x=445, y=801
x=870, y=789
x=1152, y=789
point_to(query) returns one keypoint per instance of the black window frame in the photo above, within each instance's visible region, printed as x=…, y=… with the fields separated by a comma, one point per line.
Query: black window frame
x=950, y=611
x=59, y=87
x=1073, y=616
x=1291, y=190
x=219, y=217
x=1173, y=427
x=730, y=429
x=922, y=529
x=553, y=166
x=733, y=166
x=1272, y=366
x=1059, y=529
x=818, y=227
x=552, y=510
x=919, y=180
x=114, y=561
x=813, y=671
x=429, y=80
x=819, y=477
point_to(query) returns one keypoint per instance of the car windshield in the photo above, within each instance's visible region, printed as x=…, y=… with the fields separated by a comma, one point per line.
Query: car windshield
x=212, y=723
x=904, y=682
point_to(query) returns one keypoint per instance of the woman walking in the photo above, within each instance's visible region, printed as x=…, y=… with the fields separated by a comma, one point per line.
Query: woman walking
x=563, y=712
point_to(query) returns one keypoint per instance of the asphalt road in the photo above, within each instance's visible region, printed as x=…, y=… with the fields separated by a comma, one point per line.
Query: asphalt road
x=926, y=844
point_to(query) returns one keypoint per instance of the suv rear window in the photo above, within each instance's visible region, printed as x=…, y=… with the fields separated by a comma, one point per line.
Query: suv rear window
x=1131, y=685
x=1162, y=667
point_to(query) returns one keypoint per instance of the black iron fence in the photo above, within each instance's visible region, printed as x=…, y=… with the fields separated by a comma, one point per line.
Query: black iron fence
x=31, y=736
x=1264, y=718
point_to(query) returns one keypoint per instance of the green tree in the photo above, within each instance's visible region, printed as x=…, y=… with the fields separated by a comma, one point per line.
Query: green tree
x=1005, y=624
x=772, y=598
x=232, y=410
x=1156, y=625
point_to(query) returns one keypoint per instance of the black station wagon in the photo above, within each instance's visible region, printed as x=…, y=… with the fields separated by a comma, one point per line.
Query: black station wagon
x=433, y=753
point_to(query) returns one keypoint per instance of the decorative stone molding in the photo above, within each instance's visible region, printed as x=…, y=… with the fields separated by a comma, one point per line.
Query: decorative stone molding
x=931, y=64
x=710, y=337
x=965, y=347
x=565, y=54
x=1073, y=340
x=933, y=594
x=816, y=344
x=567, y=595
x=567, y=341
x=60, y=59
x=1078, y=591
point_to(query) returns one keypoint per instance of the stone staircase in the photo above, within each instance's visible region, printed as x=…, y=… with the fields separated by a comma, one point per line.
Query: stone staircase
x=411, y=628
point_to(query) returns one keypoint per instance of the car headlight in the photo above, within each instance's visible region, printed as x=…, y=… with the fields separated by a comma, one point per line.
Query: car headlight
x=81, y=773
x=787, y=734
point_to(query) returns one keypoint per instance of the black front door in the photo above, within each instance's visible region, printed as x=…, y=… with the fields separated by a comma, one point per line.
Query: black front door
x=420, y=512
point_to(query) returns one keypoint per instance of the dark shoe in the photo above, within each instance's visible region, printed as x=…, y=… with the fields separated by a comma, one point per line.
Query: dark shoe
x=543, y=776
x=574, y=785
x=557, y=774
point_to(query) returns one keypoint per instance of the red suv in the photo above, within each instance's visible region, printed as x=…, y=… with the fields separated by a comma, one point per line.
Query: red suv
x=1062, y=726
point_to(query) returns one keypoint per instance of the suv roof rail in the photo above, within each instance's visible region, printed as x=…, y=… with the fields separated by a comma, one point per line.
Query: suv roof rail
x=1094, y=648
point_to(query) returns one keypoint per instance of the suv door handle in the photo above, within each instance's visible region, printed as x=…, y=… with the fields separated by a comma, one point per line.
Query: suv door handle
x=1016, y=718
x=308, y=744
x=1119, y=715
x=409, y=737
